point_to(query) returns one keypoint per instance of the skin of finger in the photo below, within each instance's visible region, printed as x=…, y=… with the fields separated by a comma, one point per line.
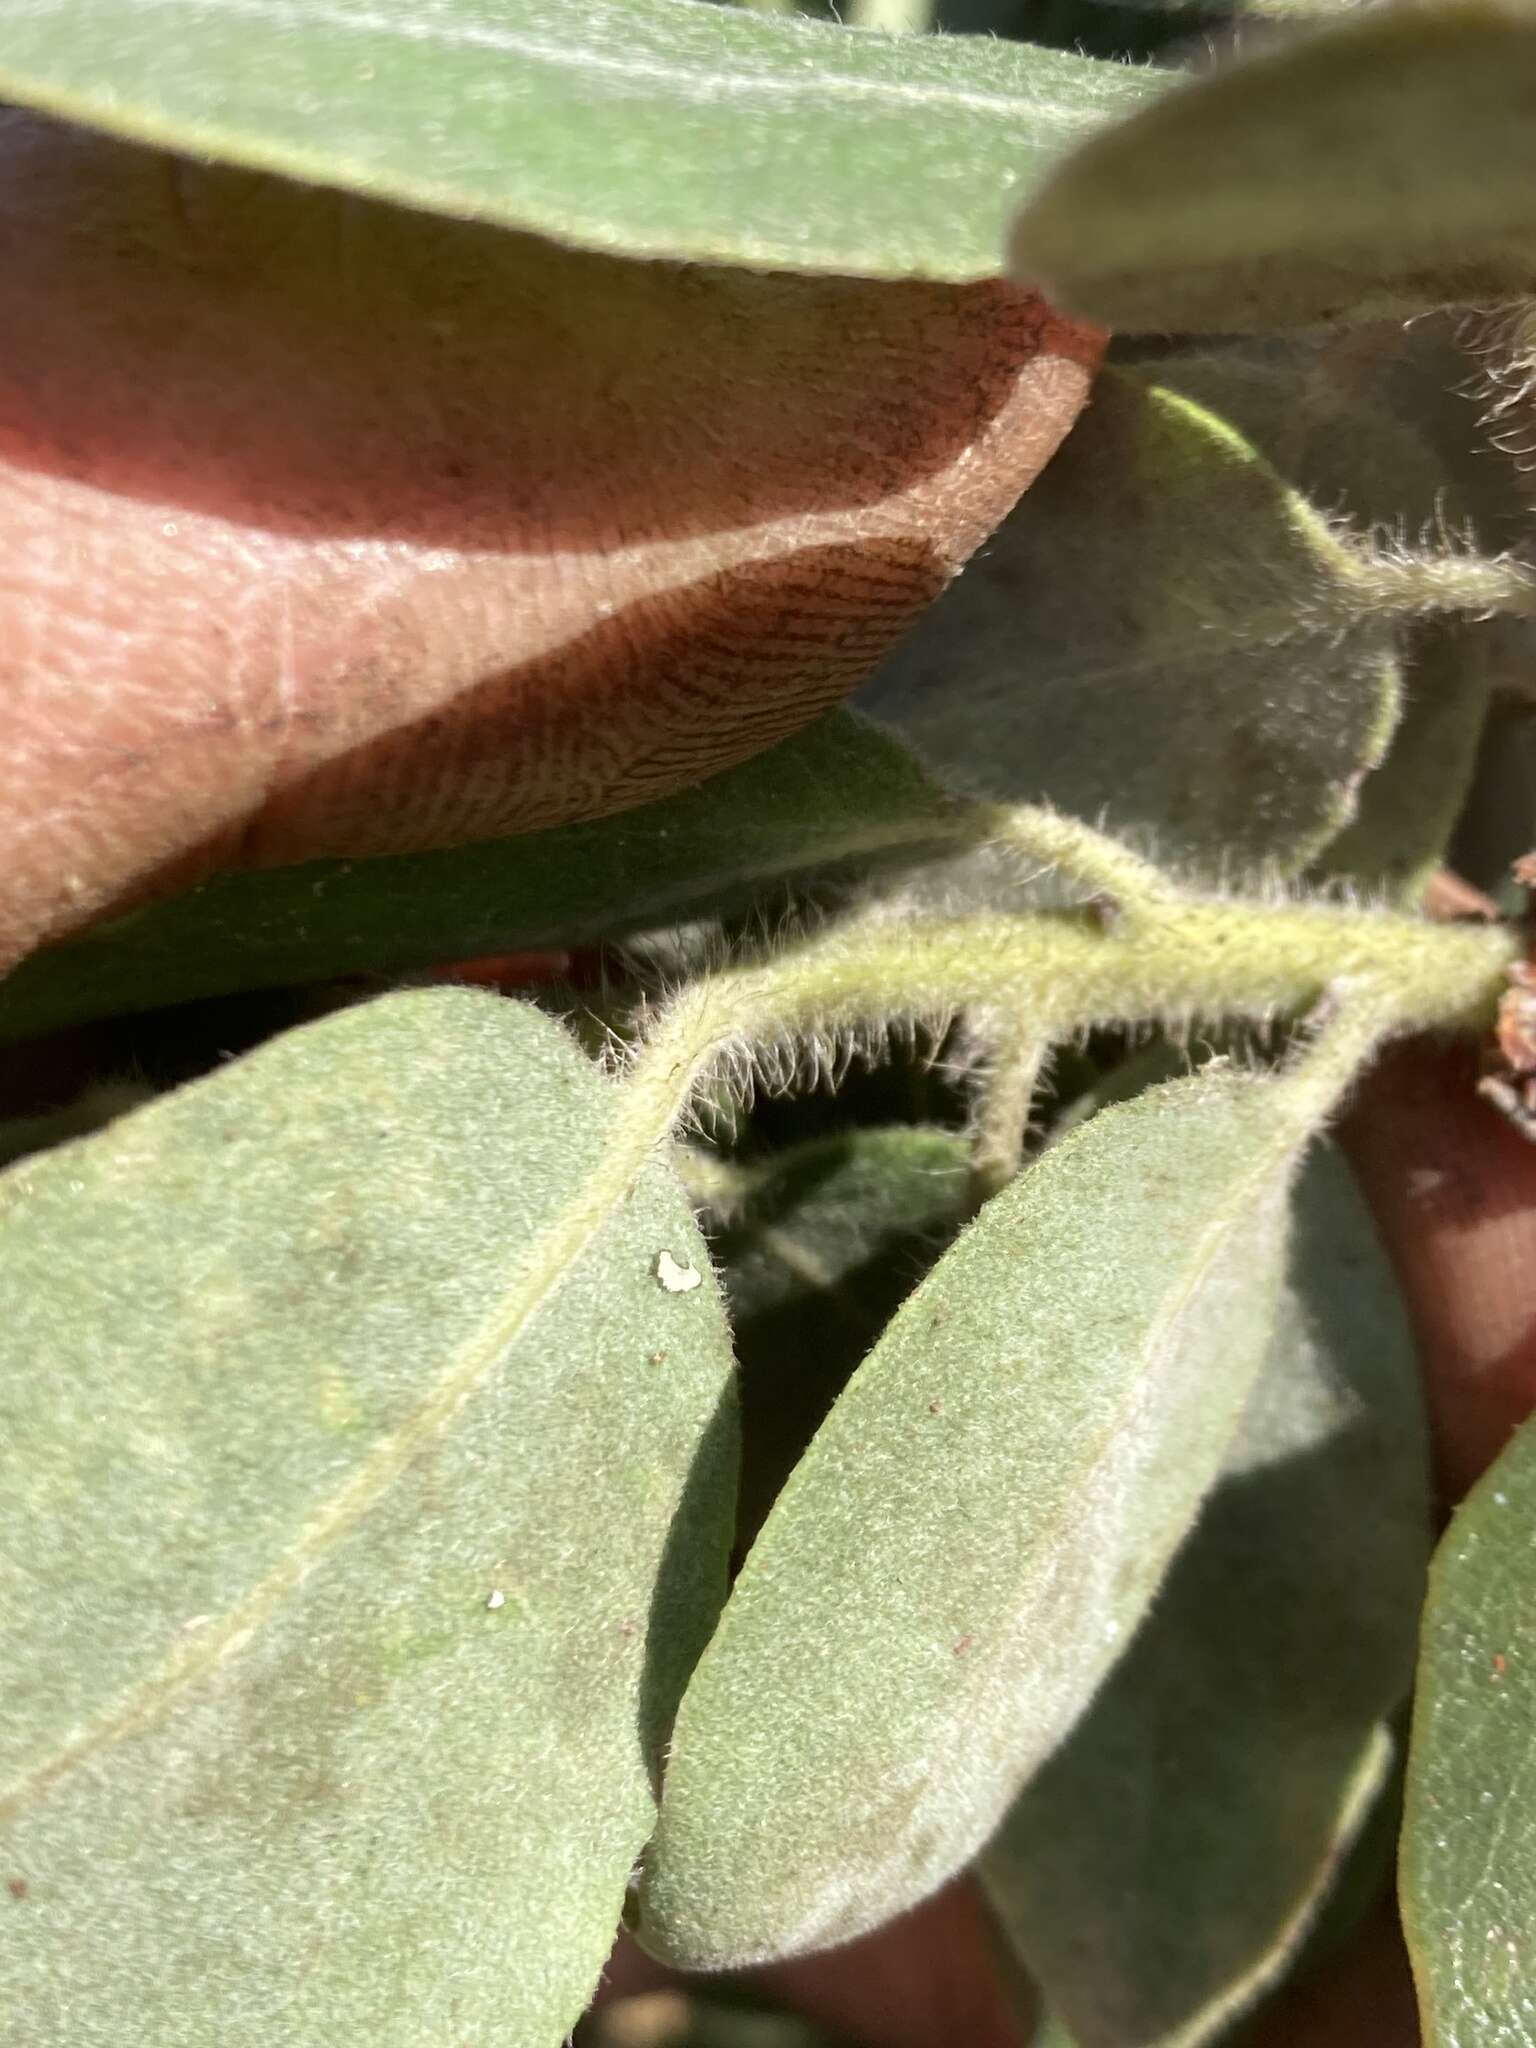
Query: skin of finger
x=1452, y=1185
x=330, y=528
x=924, y=1979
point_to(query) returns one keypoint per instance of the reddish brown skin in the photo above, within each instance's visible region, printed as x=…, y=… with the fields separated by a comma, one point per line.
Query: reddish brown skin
x=333, y=529
x=923, y=1981
x=1452, y=1184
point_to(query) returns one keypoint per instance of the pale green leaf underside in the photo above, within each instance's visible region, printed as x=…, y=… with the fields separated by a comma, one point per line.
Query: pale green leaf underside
x=1385, y=167
x=641, y=127
x=836, y=792
x=366, y=1503
x=972, y=1535
x=1163, y=638
x=1468, y=1868
x=1163, y=1867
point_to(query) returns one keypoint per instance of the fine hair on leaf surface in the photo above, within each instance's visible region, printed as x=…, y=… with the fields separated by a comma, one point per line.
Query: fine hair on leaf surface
x=1165, y=1865
x=928, y=1644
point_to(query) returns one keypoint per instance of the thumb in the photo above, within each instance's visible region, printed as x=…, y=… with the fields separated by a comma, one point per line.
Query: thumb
x=331, y=528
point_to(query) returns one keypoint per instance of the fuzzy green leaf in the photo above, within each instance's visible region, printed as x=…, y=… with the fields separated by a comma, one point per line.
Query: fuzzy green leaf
x=1374, y=427
x=640, y=127
x=1383, y=167
x=1164, y=637
x=1383, y=424
x=1468, y=1868
x=962, y=1552
x=1410, y=804
x=837, y=791
x=1164, y=1866
x=817, y=1248
x=366, y=1504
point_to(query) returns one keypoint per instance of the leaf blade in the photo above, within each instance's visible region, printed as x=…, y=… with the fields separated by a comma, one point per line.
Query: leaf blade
x=706, y=133
x=1161, y=638
x=1468, y=1866
x=948, y=1573
x=1410, y=804
x=1163, y=1868
x=817, y=1247
x=1380, y=168
x=250, y=1785
x=595, y=595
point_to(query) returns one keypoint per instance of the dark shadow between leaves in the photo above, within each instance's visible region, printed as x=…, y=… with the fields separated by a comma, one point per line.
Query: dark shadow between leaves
x=690, y=1580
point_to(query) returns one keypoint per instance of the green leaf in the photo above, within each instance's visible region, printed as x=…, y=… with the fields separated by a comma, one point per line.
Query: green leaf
x=1410, y=804
x=1380, y=168
x=836, y=792
x=1164, y=638
x=1372, y=426
x=961, y=1554
x=641, y=127
x=1468, y=1868
x=1367, y=422
x=1163, y=1868
x=817, y=1248
x=366, y=1504
x=809, y=1222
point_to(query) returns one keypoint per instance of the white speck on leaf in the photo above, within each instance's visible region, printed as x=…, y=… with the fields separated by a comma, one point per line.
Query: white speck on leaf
x=496, y=1599
x=674, y=1278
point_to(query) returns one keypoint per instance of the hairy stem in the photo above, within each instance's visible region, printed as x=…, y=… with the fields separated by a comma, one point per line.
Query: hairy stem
x=1179, y=962
x=1108, y=869
x=1000, y=1118
x=1423, y=584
